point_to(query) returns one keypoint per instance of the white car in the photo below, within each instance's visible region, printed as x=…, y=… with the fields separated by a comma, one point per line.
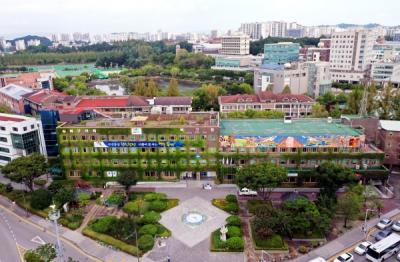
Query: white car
x=345, y=257
x=361, y=249
x=207, y=186
x=384, y=223
x=396, y=225
x=317, y=259
x=247, y=192
x=398, y=257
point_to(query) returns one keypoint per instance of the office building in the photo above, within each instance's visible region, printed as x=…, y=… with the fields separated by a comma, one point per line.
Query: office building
x=238, y=44
x=281, y=53
x=352, y=54
x=385, y=71
x=50, y=119
x=20, y=136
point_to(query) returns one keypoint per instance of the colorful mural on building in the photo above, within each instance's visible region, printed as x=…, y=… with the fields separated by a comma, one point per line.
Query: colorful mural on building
x=291, y=141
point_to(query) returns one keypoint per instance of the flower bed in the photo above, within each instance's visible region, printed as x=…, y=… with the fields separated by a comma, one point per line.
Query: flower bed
x=229, y=204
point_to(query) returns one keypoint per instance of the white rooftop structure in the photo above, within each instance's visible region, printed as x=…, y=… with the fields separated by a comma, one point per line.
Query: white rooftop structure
x=390, y=125
x=15, y=91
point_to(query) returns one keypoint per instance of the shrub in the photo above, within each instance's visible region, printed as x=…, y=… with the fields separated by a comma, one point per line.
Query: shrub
x=83, y=198
x=103, y=225
x=234, y=221
x=40, y=182
x=116, y=199
x=9, y=188
x=148, y=229
x=234, y=231
x=158, y=205
x=303, y=249
x=155, y=196
x=150, y=217
x=146, y=242
x=231, y=198
x=217, y=243
x=235, y=243
x=232, y=208
x=31, y=256
x=131, y=208
x=40, y=199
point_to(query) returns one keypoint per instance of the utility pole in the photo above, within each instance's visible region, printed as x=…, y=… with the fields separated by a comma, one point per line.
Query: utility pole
x=54, y=215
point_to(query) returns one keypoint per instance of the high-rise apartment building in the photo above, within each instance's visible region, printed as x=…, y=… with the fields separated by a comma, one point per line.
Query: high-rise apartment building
x=238, y=44
x=351, y=54
x=254, y=30
x=20, y=45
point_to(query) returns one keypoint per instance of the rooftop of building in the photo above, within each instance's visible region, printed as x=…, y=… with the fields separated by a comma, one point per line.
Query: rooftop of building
x=44, y=96
x=194, y=119
x=390, y=125
x=15, y=91
x=263, y=97
x=173, y=100
x=300, y=127
x=13, y=118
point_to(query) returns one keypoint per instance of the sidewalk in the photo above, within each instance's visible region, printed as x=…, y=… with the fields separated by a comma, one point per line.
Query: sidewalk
x=91, y=247
x=346, y=240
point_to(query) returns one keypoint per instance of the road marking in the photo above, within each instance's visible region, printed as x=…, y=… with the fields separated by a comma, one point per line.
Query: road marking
x=38, y=240
x=21, y=251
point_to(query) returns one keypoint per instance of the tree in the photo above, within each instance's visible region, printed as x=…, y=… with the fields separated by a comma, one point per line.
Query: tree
x=372, y=105
x=152, y=89
x=127, y=179
x=318, y=111
x=385, y=102
x=396, y=105
x=25, y=169
x=327, y=99
x=286, y=90
x=64, y=195
x=331, y=177
x=261, y=177
x=349, y=206
x=41, y=199
x=44, y=253
x=268, y=221
x=139, y=87
x=131, y=208
x=173, y=88
x=354, y=100
x=206, y=97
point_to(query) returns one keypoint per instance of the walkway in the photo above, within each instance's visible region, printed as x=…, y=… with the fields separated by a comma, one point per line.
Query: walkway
x=244, y=215
x=345, y=241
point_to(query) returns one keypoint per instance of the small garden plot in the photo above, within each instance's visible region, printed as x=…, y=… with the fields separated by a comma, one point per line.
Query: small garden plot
x=234, y=237
x=229, y=204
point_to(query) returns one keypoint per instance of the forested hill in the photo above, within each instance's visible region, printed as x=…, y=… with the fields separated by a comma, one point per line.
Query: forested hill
x=43, y=40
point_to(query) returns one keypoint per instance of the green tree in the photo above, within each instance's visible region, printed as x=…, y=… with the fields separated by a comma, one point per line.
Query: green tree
x=318, y=111
x=174, y=71
x=385, y=102
x=372, y=105
x=151, y=89
x=349, y=206
x=335, y=112
x=396, y=105
x=206, y=97
x=127, y=178
x=44, y=253
x=268, y=220
x=25, y=169
x=331, y=177
x=173, y=88
x=140, y=87
x=286, y=90
x=41, y=199
x=64, y=195
x=327, y=99
x=261, y=177
x=131, y=208
x=354, y=100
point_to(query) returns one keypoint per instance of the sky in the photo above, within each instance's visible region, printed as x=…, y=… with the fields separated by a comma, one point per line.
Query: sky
x=19, y=17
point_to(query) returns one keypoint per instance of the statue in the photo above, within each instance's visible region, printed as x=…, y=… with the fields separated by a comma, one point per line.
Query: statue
x=223, y=231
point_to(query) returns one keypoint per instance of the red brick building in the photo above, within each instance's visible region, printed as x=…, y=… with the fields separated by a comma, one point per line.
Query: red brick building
x=388, y=139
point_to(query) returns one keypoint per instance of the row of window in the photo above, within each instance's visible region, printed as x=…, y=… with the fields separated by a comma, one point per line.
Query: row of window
x=142, y=162
x=139, y=137
x=289, y=150
x=127, y=150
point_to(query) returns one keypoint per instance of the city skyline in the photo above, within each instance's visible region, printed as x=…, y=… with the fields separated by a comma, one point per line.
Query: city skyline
x=20, y=18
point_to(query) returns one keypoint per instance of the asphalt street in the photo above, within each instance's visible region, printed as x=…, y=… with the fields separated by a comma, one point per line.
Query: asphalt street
x=14, y=231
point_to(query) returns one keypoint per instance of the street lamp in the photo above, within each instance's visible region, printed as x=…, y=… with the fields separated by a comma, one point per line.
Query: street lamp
x=54, y=215
x=365, y=220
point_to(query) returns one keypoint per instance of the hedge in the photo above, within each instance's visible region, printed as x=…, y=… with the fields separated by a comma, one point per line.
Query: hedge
x=146, y=242
x=130, y=249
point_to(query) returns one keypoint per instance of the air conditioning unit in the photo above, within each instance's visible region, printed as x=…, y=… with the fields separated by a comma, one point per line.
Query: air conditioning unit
x=357, y=167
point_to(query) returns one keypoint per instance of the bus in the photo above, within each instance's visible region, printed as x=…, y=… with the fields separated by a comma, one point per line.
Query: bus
x=384, y=249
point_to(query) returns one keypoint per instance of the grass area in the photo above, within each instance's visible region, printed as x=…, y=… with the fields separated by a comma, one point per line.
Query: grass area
x=275, y=242
x=254, y=204
x=230, y=207
x=172, y=202
x=130, y=249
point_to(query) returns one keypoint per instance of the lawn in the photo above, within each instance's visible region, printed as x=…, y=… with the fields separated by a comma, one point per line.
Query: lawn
x=253, y=204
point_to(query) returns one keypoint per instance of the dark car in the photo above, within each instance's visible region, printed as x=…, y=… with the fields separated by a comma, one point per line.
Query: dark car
x=382, y=234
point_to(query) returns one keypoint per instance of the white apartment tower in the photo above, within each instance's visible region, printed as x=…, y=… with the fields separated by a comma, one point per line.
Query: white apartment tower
x=351, y=54
x=254, y=30
x=238, y=44
x=20, y=45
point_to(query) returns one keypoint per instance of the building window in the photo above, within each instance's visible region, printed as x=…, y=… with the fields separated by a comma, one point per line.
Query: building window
x=2, y=128
x=4, y=149
x=15, y=129
x=3, y=139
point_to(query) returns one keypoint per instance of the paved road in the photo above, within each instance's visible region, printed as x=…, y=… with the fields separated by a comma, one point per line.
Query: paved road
x=13, y=231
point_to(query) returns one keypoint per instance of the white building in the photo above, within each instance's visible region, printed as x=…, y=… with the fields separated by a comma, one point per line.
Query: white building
x=20, y=136
x=33, y=42
x=254, y=30
x=238, y=44
x=20, y=45
x=385, y=71
x=352, y=54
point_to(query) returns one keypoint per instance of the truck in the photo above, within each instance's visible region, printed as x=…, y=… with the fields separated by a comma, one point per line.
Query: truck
x=247, y=192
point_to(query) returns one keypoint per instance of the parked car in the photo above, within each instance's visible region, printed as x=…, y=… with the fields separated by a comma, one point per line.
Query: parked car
x=345, y=257
x=398, y=257
x=361, y=249
x=247, y=192
x=317, y=259
x=207, y=186
x=396, y=226
x=382, y=234
x=384, y=223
